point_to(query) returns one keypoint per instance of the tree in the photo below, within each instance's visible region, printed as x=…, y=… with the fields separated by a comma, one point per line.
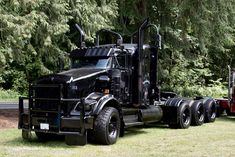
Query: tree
x=35, y=34
x=196, y=36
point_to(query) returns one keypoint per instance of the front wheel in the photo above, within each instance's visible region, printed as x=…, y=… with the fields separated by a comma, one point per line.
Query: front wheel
x=107, y=126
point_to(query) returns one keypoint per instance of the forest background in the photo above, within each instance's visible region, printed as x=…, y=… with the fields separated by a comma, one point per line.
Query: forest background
x=198, y=39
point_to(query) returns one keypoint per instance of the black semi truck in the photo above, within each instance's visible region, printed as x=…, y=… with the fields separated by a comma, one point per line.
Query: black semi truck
x=108, y=88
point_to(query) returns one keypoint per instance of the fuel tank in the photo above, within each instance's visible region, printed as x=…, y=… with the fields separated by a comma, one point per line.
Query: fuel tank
x=152, y=114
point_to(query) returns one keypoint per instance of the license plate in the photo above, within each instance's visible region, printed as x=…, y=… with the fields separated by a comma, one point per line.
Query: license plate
x=44, y=126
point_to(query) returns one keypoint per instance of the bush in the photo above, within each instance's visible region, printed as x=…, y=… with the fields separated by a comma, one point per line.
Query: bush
x=14, y=80
x=196, y=90
x=215, y=89
x=8, y=94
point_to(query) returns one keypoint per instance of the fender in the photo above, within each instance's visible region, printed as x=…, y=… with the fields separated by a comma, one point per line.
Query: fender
x=174, y=102
x=171, y=109
x=99, y=101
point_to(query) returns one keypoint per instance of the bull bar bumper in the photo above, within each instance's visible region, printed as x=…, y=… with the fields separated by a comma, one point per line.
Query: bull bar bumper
x=53, y=121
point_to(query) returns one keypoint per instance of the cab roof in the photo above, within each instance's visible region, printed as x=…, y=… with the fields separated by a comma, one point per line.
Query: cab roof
x=102, y=50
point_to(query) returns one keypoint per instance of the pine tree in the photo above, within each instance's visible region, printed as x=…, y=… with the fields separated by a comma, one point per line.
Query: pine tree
x=35, y=34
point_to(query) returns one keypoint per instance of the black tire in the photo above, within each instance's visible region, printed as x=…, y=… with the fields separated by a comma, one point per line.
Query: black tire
x=198, y=113
x=183, y=116
x=107, y=126
x=210, y=110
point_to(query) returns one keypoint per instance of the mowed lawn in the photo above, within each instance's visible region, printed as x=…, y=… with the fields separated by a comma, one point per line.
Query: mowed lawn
x=213, y=139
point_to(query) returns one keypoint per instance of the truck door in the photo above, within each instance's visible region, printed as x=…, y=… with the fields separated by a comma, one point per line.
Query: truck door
x=122, y=60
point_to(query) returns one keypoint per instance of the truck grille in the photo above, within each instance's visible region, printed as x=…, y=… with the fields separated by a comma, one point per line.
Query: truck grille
x=46, y=97
x=45, y=105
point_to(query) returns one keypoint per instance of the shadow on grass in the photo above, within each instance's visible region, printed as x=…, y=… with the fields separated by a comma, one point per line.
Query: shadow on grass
x=133, y=132
x=60, y=143
x=227, y=118
x=157, y=126
x=143, y=129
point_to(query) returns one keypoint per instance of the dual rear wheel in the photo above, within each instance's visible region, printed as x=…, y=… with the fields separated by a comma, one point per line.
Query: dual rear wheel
x=183, y=117
x=195, y=113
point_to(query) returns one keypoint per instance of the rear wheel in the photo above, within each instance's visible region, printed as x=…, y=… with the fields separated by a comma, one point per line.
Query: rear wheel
x=107, y=126
x=183, y=116
x=198, y=113
x=210, y=110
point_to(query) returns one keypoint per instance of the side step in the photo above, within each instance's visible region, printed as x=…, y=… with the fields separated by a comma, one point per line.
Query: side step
x=128, y=125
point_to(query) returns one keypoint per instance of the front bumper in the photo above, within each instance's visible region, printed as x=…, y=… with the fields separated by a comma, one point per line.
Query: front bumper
x=54, y=122
x=57, y=124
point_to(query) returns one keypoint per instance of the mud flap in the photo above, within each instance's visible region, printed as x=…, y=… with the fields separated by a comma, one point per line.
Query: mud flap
x=79, y=140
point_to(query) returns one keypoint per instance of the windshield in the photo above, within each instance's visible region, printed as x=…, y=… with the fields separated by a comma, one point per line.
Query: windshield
x=97, y=63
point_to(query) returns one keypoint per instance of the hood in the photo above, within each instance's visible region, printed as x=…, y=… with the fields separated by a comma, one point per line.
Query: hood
x=71, y=75
x=82, y=73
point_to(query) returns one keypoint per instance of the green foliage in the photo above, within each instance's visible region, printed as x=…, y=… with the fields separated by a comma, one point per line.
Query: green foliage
x=216, y=90
x=15, y=80
x=8, y=94
x=198, y=41
x=94, y=14
x=34, y=35
x=32, y=32
x=198, y=37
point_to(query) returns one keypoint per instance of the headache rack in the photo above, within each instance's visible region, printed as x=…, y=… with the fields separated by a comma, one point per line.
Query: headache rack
x=45, y=103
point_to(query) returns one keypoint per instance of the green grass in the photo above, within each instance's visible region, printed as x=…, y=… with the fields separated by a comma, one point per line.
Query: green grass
x=8, y=95
x=213, y=139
